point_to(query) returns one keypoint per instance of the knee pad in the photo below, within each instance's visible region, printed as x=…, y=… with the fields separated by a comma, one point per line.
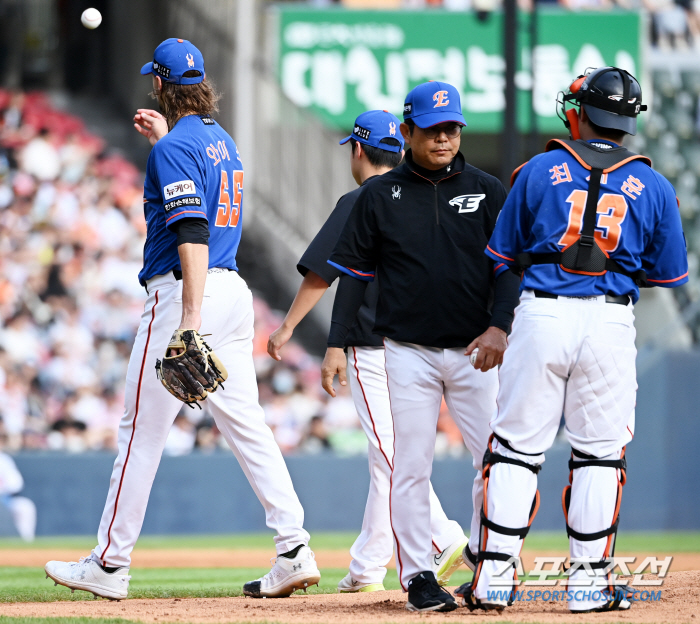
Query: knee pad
x=490, y=459
x=583, y=460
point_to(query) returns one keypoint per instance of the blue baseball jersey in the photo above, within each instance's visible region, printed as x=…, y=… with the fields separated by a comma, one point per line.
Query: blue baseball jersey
x=194, y=171
x=638, y=224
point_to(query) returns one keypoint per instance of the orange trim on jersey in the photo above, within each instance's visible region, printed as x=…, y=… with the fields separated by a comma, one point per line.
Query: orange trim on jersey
x=186, y=212
x=675, y=279
x=360, y=273
x=495, y=253
x=499, y=266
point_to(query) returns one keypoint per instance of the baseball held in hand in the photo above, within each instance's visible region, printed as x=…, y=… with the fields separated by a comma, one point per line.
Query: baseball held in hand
x=472, y=357
x=91, y=18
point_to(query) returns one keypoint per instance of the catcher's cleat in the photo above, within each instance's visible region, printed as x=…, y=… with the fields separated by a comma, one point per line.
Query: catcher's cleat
x=424, y=594
x=287, y=576
x=612, y=605
x=88, y=575
x=469, y=600
x=448, y=561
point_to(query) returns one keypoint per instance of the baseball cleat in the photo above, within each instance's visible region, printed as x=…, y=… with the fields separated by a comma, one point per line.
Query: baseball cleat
x=88, y=575
x=424, y=594
x=446, y=563
x=350, y=586
x=287, y=575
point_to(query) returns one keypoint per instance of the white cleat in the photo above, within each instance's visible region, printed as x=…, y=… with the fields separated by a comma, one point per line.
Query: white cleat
x=287, y=575
x=349, y=585
x=448, y=561
x=87, y=575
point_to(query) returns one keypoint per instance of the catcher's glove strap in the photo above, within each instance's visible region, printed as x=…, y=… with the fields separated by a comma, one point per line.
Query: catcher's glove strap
x=491, y=458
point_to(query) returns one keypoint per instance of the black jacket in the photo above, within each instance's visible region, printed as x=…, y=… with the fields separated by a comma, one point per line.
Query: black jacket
x=315, y=259
x=426, y=233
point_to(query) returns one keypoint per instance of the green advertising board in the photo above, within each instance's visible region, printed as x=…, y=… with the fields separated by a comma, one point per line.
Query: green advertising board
x=340, y=63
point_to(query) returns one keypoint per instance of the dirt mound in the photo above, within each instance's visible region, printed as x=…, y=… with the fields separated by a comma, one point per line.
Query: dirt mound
x=680, y=601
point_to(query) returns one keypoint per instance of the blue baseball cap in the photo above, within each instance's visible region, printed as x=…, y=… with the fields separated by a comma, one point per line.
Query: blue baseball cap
x=173, y=58
x=373, y=126
x=432, y=103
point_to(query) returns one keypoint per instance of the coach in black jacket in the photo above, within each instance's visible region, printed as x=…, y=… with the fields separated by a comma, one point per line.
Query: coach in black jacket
x=423, y=227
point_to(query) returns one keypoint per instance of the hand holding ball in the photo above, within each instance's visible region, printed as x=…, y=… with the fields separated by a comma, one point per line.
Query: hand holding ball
x=91, y=18
x=473, y=356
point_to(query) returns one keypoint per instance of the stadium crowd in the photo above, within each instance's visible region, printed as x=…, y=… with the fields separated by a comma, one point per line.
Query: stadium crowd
x=71, y=240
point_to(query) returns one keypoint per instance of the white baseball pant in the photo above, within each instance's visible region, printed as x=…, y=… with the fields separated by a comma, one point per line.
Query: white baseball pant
x=227, y=314
x=574, y=356
x=373, y=548
x=418, y=377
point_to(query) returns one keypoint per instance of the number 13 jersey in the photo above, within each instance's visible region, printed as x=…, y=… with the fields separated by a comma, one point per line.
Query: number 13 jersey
x=194, y=171
x=637, y=223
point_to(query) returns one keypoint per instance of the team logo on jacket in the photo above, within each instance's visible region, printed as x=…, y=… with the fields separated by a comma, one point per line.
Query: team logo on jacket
x=396, y=192
x=183, y=187
x=467, y=203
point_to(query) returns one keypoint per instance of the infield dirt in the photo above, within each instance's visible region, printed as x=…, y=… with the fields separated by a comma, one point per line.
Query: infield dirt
x=680, y=602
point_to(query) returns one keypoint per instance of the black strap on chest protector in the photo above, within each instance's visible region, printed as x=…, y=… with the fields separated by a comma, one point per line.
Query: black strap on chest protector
x=585, y=255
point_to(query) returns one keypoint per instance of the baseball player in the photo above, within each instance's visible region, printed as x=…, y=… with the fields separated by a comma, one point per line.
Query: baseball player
x=376, y=147
x=423, y=228
x=588, y=222
x=192, y=203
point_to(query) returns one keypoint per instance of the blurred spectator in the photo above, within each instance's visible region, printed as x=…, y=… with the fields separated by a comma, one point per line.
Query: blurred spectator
x=71, y=243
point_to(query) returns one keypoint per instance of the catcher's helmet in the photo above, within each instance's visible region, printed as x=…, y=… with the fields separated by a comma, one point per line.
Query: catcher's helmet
x=611, y=97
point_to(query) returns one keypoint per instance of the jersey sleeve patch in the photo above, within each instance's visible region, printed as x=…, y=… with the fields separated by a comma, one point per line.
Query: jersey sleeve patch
x=179, y=203
x=176, y=189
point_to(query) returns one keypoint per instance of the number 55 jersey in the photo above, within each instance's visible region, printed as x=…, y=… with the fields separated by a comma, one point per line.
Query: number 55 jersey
x=637, y=224
x=194, y=171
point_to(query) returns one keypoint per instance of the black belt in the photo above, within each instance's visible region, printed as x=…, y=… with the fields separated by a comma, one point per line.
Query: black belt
x=177, y=274
x=619, y=299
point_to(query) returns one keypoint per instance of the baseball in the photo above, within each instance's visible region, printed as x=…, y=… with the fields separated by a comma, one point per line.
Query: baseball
x=472, y=357
x=91, y=18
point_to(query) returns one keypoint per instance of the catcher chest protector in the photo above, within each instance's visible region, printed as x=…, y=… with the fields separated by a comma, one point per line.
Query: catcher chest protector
x=584, y=256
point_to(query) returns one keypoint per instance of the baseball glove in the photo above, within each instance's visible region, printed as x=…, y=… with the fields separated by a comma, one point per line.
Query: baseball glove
x=194, y=372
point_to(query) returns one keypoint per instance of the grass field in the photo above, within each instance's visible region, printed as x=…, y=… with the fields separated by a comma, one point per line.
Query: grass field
x=28, y=584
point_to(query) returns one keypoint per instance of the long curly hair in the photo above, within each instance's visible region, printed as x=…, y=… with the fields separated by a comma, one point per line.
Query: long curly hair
x=176, y=100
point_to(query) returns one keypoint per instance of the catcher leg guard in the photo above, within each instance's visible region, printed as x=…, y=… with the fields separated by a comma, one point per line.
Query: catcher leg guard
x=592, y=510
x=510, y=495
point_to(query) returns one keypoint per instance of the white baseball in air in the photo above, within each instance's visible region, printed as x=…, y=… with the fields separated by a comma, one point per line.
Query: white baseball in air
x=91, y=18
x=472, y=357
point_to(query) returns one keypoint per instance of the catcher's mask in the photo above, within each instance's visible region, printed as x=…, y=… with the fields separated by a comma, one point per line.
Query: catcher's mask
x=611, y=97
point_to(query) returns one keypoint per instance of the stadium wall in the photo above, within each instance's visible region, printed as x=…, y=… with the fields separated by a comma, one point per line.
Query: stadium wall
x=209, y=493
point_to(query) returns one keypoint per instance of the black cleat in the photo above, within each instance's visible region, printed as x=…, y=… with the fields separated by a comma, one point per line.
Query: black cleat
x=424, y=594
x=469, y=600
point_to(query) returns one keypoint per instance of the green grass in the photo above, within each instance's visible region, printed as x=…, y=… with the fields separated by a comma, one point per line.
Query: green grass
x=628, y=541
x=30, y=584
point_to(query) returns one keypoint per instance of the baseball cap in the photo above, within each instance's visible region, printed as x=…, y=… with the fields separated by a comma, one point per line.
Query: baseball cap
x=173, y=58
x=432, y=103
x=373, y=126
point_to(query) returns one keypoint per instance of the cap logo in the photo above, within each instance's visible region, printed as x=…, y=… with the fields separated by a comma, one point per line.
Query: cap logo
x=440, y=99
x=363, y=133
x=392, y=128
x=407, y=108
x=190, y=60
x=161, y=70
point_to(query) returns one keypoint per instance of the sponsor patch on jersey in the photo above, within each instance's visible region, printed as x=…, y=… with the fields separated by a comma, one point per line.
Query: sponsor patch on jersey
x=363, y=133
x=467, y=203
x=179, y=203
x=183, y=187
x=207, y=121
x=161, y=70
